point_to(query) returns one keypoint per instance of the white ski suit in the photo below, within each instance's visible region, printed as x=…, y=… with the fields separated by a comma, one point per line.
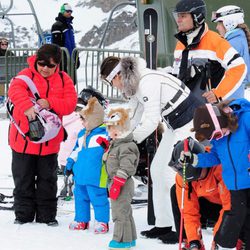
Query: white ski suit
x=159, y=95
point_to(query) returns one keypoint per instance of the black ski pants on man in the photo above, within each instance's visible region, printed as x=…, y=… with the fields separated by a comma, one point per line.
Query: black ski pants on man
x=35, y=179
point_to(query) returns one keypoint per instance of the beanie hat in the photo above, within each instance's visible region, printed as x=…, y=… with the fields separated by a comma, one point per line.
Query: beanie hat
x=65, y=7
x=119, y=117
x=207, y=120
x=93, y=113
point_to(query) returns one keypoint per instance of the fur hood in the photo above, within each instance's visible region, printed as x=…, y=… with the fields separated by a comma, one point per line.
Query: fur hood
x=130, y=74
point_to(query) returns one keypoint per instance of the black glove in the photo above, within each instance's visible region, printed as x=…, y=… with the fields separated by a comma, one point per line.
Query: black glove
x=188, y=157
x=68, y=172
x=194, y=244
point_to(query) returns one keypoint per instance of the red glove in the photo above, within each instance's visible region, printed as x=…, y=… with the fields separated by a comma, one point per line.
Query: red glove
x=115, y=188
x=103, y=142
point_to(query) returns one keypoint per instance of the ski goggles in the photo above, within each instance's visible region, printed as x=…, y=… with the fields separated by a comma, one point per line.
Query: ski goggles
x=214, y=112
x=216, y=15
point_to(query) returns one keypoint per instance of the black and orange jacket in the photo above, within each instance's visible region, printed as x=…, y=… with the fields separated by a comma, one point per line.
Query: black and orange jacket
x=211, y=188
x=227, y=69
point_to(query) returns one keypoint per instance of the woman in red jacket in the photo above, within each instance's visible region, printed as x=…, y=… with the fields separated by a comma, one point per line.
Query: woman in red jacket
x=34, y=164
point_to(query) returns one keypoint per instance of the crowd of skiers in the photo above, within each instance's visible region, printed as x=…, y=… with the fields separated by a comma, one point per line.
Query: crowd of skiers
x=203, y=92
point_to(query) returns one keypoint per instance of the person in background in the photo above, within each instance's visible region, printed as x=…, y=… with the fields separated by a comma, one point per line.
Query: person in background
x=230, y=24
x=62, y=33
x=85, y=162
x=227, y=126
x=4, y=43
x=121, y=161
x=206, y=197
x=34, y=166
x=211, y=68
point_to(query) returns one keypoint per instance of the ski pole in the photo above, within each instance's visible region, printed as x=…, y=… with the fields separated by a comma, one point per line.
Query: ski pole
x=182, y=194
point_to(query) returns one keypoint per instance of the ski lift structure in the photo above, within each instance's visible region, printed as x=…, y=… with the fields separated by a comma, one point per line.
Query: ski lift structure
x=7, y=16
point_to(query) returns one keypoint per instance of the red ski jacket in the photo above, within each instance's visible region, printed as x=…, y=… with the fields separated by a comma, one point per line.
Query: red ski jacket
x=60, y=93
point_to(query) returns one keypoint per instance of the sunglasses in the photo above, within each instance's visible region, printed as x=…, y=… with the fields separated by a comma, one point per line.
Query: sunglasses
x=4, y=44
x=49, y=65
x=68, y=11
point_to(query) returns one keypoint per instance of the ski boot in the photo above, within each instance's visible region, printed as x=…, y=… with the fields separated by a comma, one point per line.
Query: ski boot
x=101, y=228
x=169, y=238
x=113, y=244
x=194, y=244
x=78, y=225
x=155, y=232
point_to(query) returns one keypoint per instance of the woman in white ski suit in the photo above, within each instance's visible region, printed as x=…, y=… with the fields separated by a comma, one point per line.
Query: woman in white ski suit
x=154, y=95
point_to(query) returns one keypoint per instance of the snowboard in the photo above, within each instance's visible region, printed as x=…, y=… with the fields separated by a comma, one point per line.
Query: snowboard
x=150, y=19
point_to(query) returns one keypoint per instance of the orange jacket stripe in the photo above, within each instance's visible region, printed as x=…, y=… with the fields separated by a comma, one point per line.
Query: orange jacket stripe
x=215, y=48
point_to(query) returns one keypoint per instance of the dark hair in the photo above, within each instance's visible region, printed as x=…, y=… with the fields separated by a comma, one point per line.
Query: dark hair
x=48, y=51
x=108, y=65
x=232, y=120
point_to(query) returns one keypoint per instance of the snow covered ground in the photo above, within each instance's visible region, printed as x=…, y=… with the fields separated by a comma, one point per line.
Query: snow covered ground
x=33, y=236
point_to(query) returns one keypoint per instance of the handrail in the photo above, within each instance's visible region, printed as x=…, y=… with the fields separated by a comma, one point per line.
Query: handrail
x=110, y=17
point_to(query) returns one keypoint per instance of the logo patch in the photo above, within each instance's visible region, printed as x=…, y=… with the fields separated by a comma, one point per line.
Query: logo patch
x=145, y=98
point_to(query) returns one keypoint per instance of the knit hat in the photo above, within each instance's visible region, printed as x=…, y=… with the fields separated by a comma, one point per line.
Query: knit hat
x=65, y=7
x=119, y=117
x=93, y=113
x=208, y=120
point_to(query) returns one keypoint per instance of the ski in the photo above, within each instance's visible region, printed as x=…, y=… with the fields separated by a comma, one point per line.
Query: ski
x=6, y=202
x=3, y=197
x=150, y=18
x=137, y=201
x=6, y=208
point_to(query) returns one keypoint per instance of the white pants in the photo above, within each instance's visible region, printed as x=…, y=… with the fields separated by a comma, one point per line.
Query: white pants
x=163, y=177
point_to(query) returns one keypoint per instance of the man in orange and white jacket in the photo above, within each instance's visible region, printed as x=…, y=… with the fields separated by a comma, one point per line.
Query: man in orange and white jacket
x=204, y=61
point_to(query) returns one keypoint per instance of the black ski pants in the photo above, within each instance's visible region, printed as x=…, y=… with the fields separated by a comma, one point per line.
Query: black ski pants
x=236, y=222
x=35, y=179
x=209, y=211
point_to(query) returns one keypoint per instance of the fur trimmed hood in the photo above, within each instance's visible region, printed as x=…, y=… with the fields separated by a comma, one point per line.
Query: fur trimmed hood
x=130, y=74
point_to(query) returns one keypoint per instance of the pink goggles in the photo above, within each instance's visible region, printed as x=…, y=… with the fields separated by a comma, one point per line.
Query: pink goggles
x=217, y=133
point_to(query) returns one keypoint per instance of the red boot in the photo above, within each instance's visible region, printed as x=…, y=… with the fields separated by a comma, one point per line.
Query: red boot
x=240, y=245
x=78, y=225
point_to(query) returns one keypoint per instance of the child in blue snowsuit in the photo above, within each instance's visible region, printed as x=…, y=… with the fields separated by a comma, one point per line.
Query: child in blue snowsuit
x=227, y=125
x=89, y=172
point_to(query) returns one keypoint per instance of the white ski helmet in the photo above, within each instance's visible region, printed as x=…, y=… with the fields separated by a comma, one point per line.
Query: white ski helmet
x=230, y=15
